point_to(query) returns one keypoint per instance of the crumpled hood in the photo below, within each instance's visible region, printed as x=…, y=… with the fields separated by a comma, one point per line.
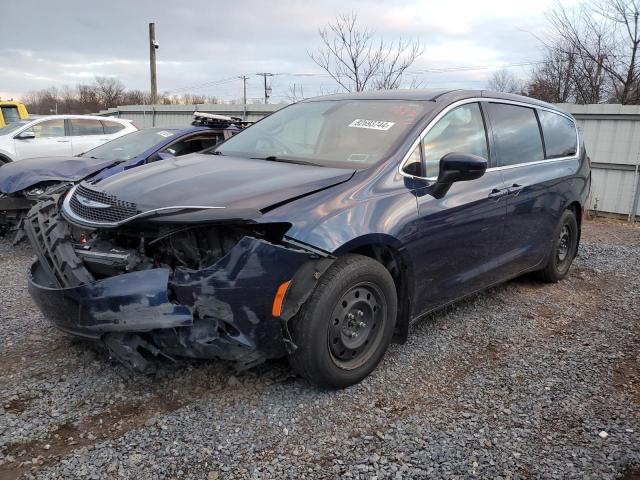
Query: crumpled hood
x=16, y=176
x=237, y=184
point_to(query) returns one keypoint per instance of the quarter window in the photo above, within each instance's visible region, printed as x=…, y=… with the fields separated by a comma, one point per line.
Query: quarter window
x=81, y=126
x=111, y=127
x=413, y=165
x=461, y=130
x=559, y=134
x=516, y=134
x=49, y=129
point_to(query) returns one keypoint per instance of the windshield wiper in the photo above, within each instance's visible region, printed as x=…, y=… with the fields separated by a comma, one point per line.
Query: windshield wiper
x=273, y=158
x=216, y=152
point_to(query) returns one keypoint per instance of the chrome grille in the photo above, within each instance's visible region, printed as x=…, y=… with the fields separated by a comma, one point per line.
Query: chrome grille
x=116, y=211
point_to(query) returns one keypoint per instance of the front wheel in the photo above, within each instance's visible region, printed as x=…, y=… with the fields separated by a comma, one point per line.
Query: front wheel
x=343, y=330
x=563, y=249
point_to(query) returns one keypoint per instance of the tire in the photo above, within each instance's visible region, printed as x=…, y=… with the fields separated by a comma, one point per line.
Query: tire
x=344, y=329
x=563, y=249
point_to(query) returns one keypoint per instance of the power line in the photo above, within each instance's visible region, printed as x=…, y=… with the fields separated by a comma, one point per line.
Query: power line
x=201, y=85
x=472, y=68
x=435, y=70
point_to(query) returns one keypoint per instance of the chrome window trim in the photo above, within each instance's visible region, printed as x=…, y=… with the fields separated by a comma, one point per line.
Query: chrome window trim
x=66, y=210
x=490, y=100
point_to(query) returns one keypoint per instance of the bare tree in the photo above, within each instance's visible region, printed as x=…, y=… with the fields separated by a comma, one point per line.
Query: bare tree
x=106, y=92
x=604, y=37
x=357, y=61
x=110, y=91
x=504, y=81
x=193, y=99
x=136, y=97
x=553, y=79
x=42, y=102
x=68, y=99
x=88, y=100
x=397, y=58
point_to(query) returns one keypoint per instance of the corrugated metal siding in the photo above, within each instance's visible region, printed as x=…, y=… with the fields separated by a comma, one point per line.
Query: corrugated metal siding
x=611, y=191
x=612, y=138
x=145, y=116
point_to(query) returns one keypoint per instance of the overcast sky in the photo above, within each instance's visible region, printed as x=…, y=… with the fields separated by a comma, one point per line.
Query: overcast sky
x=56, y=43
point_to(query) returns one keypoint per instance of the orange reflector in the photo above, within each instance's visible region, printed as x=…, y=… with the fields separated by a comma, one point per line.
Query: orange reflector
x=276, y=310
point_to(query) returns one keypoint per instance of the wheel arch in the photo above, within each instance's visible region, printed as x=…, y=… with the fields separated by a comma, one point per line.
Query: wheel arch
x=4, y=158
x=577, y=209
x=388, y=251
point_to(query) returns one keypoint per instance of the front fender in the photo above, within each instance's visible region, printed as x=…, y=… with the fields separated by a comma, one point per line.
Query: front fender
x=384, y=220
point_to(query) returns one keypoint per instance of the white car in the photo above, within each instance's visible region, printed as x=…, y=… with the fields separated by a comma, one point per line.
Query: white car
x=59, y=136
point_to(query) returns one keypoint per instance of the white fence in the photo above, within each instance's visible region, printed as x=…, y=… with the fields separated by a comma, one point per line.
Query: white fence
x=611, y=133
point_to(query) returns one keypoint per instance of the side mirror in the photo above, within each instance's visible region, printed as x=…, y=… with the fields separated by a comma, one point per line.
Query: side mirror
x=164, y=155
x=26, y=135
x=457, y=167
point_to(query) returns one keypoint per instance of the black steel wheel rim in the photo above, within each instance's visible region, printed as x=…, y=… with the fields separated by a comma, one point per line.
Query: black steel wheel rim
x=356, y=326
x=564, y=245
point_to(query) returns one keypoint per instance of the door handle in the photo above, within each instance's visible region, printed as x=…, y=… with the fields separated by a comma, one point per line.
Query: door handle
x=515, y=189
x=62, y=141
x=495, y=193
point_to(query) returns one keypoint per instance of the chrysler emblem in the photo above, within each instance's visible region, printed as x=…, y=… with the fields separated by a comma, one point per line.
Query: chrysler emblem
x=91, y=203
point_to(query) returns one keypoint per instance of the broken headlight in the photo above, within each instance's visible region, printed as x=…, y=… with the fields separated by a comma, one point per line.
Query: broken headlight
x=33, y=192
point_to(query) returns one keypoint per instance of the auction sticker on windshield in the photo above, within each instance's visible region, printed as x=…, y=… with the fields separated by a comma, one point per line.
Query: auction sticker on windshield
x=372, y=124
x=165, y=134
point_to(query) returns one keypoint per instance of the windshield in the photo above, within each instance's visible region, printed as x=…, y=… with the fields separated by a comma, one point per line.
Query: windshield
x=342, y=133
x=10, y=114
x=131, y=145
x=12, y=128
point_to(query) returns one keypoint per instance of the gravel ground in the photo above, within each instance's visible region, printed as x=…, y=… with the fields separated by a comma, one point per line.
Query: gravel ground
x=525, y=380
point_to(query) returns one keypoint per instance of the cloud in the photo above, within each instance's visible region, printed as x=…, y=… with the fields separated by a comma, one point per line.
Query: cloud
x=205, y=41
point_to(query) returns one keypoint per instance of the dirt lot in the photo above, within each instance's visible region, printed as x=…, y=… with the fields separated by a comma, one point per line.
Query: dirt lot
x=526, y=380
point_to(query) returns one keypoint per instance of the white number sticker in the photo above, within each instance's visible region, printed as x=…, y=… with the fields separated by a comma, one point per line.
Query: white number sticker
x=164, y=133
x=372, y=124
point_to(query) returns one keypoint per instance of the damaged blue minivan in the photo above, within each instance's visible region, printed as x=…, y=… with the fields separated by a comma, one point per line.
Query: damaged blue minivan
x=320, y=233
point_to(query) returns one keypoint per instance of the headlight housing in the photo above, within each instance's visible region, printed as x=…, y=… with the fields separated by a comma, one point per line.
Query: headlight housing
x=33, y=192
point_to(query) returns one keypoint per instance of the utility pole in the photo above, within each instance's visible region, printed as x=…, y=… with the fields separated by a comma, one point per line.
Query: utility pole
x=266, y=91
x=244, y=79
x=153, y=46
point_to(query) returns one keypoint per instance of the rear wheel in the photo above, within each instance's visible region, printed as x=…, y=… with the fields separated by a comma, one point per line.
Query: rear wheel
x=346, y=325
x=563, y=249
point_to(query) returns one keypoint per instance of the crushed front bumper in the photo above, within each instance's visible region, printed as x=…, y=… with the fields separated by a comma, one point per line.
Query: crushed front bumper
x=223, y=311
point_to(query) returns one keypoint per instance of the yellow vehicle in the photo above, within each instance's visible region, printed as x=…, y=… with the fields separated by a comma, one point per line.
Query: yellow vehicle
x=11, y=111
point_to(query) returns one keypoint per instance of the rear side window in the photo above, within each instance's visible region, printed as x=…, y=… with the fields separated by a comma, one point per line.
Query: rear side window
x=461, y=130
x=559, y=134
x=111, y=127
x=516, y=134
x=82, y=126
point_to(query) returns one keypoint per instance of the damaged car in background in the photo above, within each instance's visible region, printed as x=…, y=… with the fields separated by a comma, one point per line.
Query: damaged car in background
x=319, y=233
x=25, y=183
